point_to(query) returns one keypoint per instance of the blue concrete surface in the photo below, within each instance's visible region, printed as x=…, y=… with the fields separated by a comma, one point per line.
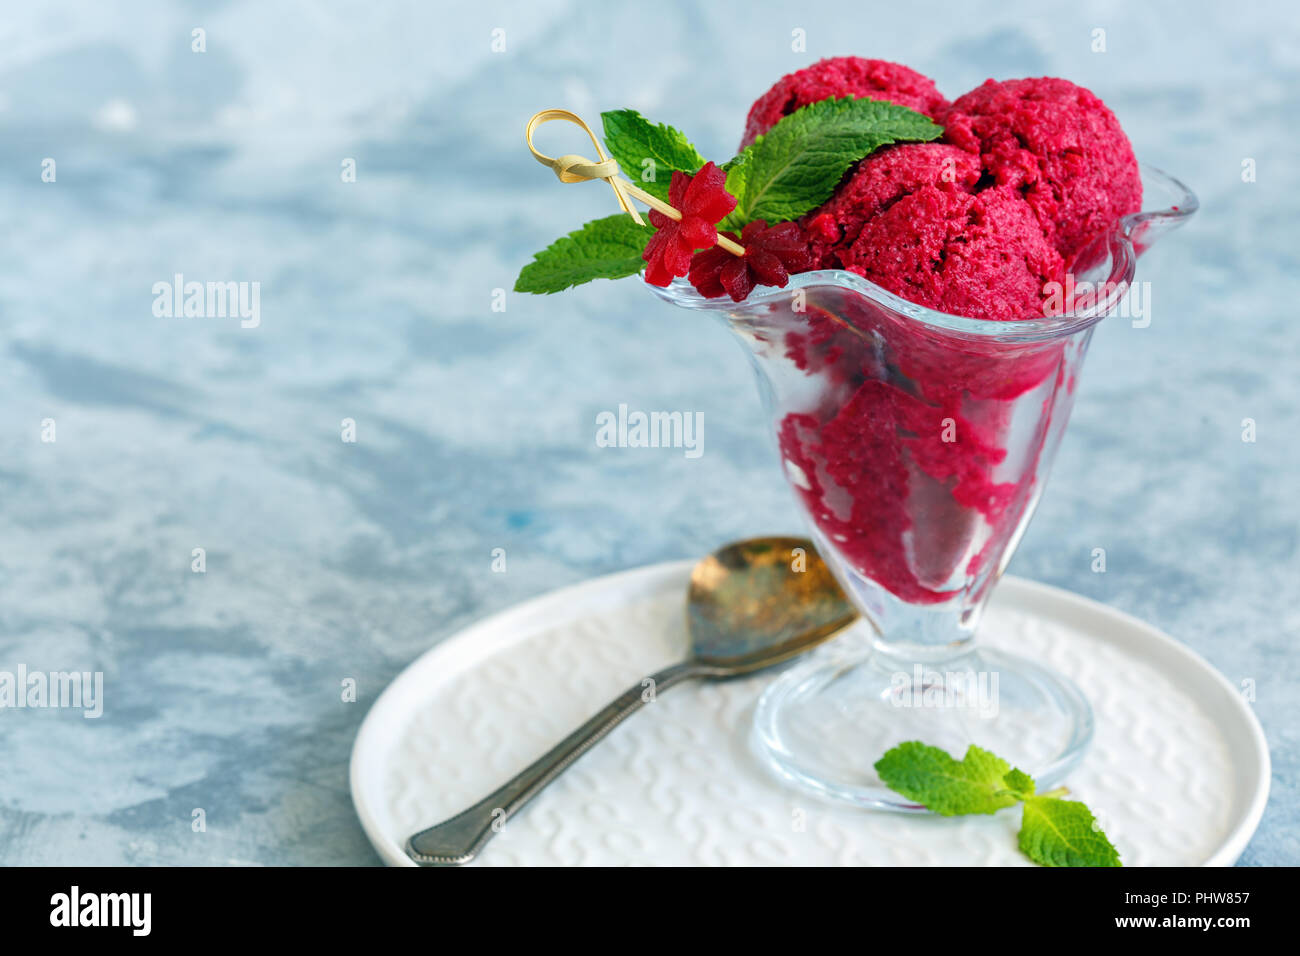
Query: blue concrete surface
x=328, y=560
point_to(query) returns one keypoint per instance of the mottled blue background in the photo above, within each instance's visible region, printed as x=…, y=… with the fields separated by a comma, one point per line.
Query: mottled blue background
x=475, y=428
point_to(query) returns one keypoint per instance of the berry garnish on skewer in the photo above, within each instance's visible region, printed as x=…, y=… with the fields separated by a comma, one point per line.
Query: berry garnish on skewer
x=754, y=197
x=772, y=255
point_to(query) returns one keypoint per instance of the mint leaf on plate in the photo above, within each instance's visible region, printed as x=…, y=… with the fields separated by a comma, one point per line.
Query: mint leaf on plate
x=796, y=165
x=608, y=248
x=928, y=775
x=648, y=152
x=1064, y=833
x=1053, y=832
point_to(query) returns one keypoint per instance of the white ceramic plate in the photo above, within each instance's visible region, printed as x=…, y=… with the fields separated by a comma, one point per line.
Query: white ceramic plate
x=1178, y=773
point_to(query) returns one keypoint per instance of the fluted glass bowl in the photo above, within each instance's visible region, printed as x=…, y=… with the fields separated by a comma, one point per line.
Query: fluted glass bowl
x=918, y=444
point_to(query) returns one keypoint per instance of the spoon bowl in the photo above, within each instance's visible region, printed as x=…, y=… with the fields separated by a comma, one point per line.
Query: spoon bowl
x=756, y=603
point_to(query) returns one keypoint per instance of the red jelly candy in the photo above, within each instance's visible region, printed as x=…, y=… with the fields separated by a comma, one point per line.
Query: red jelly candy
x=771, y=255
x=703, y=202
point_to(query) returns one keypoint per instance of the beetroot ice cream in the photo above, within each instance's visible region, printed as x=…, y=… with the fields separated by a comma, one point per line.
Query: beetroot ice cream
x=918, y=458
x=912, y=220
x=915, y=460
x=1058, y=146
x=879, y=181
x=984, y=224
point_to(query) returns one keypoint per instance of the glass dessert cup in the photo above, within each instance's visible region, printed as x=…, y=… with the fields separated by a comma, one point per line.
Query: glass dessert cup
x=918, y=444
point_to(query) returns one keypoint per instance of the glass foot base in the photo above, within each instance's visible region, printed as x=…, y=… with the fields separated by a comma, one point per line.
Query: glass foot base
x=823, y=724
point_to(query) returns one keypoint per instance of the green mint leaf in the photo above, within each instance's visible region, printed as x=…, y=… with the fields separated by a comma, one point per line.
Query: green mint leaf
x=608, y=248
x=796, y=165
x=1019, y=783
x=1064, y=833
x=928, y=775
x=648, y=152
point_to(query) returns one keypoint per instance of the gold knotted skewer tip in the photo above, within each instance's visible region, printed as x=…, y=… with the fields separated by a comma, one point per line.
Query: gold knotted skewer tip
x=572, y=168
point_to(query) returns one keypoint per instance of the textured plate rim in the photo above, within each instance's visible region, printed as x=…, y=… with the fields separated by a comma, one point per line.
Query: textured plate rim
x=377, y=734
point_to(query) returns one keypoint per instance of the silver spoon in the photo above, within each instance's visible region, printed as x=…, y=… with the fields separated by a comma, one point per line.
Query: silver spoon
x=750, y=605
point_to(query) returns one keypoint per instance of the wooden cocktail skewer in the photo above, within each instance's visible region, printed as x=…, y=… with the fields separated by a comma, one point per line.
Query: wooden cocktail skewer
x=572, y=168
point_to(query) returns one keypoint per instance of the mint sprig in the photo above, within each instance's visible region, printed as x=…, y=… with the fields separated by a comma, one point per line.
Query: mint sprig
x=608, y=248
x=795, y=166
x=1053, y=831
x=648, y=152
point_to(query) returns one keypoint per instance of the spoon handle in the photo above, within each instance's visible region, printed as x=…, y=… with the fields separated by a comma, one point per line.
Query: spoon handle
x=459, y=839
